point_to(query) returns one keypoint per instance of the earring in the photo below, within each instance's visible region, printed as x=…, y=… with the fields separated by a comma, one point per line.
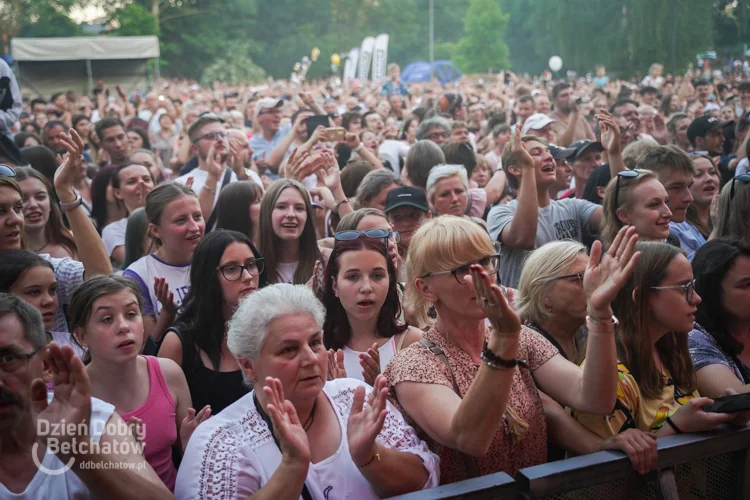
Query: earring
x=431, y=312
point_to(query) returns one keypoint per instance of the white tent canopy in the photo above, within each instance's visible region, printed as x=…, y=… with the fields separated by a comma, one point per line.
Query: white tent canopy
x=48, y=65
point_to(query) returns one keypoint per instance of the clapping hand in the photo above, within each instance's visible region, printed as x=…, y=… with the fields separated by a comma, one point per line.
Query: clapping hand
x=489, y=296
x=370, y=363
x=610, y=132
x=295, y=446
x=213, y=162
x=606, y=275
x=191, y=422
x=336, y=364
x=164, y=296
x=365, y=422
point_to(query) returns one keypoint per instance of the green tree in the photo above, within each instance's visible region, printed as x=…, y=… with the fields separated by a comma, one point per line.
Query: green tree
x=50, y=22
x=483, y=47
x=235, y=66
x=134, y=20
x=17, y=14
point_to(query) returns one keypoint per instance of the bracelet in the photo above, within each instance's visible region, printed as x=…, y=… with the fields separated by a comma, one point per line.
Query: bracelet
x=374, y=457
x=336, y=208
x=494, y=361
x=673, y=425
x=67, y=207
x=611, y=321
x=209, y=189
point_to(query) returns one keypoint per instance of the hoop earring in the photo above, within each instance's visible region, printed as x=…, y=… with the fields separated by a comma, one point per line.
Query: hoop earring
x=431, y=312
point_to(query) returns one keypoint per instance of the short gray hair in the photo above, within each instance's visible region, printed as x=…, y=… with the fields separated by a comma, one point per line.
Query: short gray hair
x=441, y=172
x=373, y=183
x=30, y=317
x=249, y=325
x=544, y=264
x=431, y=123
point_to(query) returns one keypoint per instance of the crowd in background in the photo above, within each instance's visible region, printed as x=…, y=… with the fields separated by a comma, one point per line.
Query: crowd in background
x=327, y=289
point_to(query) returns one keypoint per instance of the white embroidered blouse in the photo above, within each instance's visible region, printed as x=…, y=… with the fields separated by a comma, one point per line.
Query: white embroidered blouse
x=232, y=455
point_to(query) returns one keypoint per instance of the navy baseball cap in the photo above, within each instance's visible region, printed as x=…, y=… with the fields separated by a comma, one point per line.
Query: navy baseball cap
x=406, y=196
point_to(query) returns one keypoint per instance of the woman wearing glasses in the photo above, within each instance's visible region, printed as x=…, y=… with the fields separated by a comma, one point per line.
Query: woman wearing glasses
x=464, y=382
x=636, y=198
x=656, y=389
x=734, y=207
x=362, y=304
x=226, y=268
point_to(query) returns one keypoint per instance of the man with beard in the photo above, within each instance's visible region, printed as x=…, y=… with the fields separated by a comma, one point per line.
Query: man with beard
x=208, y=137
x=570, y=125
x=32, y=422
x=242, y=157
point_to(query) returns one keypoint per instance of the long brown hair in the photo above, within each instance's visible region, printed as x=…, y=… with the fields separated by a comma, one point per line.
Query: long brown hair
x=634, y=345
x=269, y=242
x=692, y=212
x=55, y=231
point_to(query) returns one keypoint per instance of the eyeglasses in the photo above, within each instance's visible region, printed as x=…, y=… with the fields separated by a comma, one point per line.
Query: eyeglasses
x=741, y=178
x=436, y=135
x=688, y=287
x=7, y=170
x=233, y=272
x=11, y=363
x=394, y=236
x=579, y=276
x=628, y=174
x=491, y=264
x=212, y=136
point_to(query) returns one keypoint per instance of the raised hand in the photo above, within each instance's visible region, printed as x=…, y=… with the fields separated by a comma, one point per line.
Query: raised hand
x=72, y=400
x=519, y=150
x=351, y=140
x=164, y=296
x=332, y=175
x=295, y=446
x=191, y=422
x=336, y=364
x=71, y=163
x=610, y=132
x=505, y=322
x=213, y=163
x=236, y=158
x=365, y=422
x=606, y=274
x=370, y=363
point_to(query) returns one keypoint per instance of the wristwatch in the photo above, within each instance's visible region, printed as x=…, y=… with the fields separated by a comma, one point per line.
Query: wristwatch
x=67, y=207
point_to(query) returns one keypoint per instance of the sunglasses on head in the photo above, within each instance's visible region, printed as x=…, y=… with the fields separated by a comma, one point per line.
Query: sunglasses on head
x=741, y=178
x=7, y=170
x=627, y=174
x=369, y=233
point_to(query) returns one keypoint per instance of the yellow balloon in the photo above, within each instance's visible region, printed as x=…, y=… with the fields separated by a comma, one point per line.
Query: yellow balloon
x=315, y=53
x=335, y=59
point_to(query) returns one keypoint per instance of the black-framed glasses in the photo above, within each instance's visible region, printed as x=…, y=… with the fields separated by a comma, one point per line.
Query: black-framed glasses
x=7, y=170
x=11, y=363
x=689, y=288
x=394, y=236
x=212, y=136
x=233, y=272
x=578, y=276
x=741, y=178
x=491, y=265
x=627, y=174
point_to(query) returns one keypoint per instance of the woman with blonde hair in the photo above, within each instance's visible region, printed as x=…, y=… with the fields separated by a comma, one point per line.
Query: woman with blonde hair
x=464, y=382
x=734, y=207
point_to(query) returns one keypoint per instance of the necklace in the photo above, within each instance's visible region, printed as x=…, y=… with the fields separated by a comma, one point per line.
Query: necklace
x=311, y=419
x=41, y=247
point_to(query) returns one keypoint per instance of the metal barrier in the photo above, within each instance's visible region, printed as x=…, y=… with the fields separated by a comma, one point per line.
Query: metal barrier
x=708, y=466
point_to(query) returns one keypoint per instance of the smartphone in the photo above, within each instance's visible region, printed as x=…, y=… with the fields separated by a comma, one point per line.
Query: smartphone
x=729, y=404
x=314, y=122
x=335, y=134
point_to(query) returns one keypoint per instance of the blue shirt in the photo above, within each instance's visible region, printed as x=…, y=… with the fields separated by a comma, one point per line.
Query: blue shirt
x=690, y=238
x=389, y=88
x=262, y=147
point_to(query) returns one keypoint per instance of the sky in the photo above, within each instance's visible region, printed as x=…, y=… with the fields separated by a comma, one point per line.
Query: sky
x=87, y=14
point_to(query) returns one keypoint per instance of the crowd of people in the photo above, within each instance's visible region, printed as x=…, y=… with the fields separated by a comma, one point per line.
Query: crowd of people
x=328, y=290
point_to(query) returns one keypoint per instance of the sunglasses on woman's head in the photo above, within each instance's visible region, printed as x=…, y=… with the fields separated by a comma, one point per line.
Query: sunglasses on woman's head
x=394, y=236
x=7, y=170
x=628, y=174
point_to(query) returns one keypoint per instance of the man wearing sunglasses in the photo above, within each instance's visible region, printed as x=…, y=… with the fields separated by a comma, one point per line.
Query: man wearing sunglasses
x=209, y=139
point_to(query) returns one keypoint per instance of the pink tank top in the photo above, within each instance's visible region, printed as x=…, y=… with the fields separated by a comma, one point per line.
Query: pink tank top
x=158, y=414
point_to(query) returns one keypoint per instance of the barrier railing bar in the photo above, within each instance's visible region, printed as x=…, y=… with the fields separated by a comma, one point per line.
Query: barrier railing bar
x=492, y=486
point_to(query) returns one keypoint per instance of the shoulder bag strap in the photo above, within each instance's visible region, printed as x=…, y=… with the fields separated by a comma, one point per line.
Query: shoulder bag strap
x=188, y=349
x=469, y=461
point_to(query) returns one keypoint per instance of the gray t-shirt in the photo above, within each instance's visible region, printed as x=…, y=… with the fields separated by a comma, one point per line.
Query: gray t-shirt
x=560, y=220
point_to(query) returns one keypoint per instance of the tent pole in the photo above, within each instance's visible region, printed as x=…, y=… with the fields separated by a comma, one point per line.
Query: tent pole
x=158, y=76
x=91, y=77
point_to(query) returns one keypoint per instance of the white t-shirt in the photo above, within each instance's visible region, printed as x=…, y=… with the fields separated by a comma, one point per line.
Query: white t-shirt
x=393, y=151
x=199, y=180
x=386, y=352
x=113, y=235
x=144, y=270
x=67, y=485
x=233, y=455
x=286, y=271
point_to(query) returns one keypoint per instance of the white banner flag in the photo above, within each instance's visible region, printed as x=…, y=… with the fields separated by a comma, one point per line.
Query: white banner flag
x=350, y=66
x=365, y=56
x=380, y=58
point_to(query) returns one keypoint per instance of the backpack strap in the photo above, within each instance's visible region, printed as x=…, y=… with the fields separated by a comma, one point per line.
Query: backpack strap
x=469, y=461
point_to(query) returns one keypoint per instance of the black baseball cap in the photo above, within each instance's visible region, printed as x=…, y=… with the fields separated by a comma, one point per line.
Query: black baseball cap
x=583, y=146
x=406, y=196
x=702, y=126
x=560, y=153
